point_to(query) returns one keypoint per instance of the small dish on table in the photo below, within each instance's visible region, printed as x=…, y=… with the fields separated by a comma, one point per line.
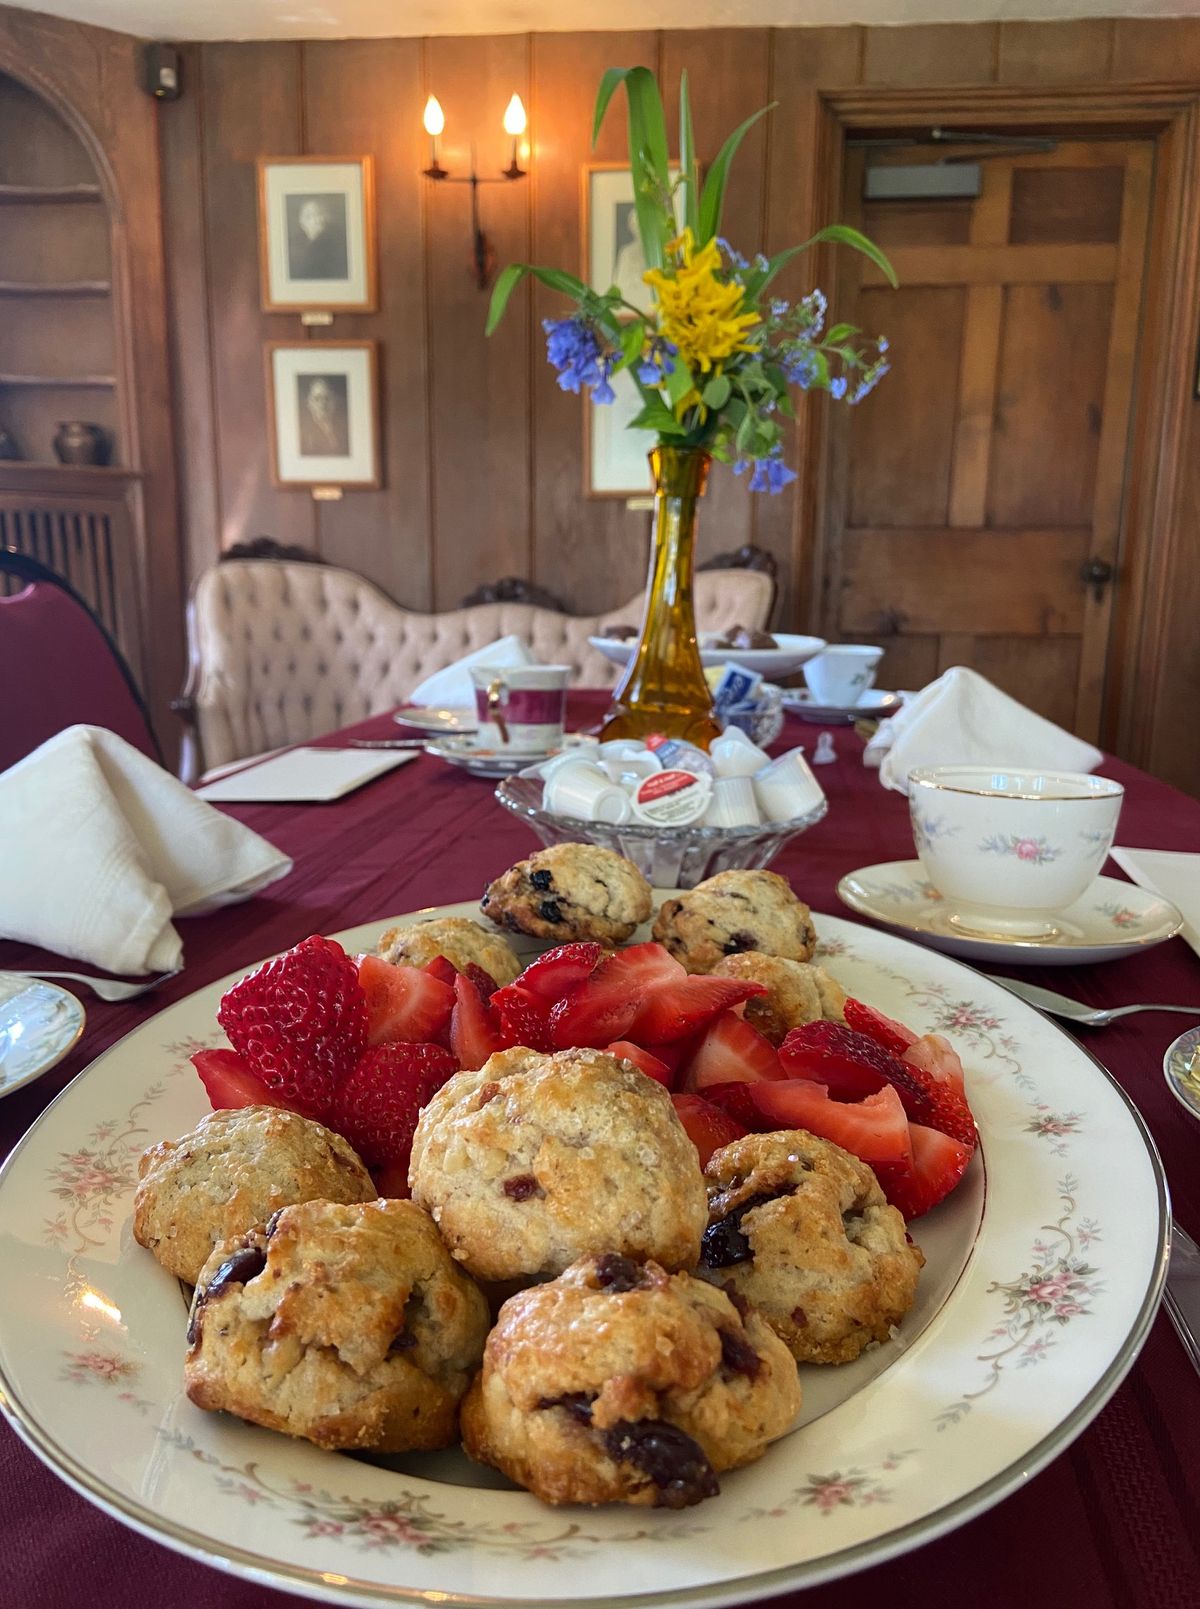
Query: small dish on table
x=787, y=656
x=481, y=759
x=873, y=705
x=1181, y=1069
x=39, y=1023
x=429, y=718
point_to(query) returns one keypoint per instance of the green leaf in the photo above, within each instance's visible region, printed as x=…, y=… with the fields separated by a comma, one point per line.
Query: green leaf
x=649, y=159
x=842, y=235
x=690, y=177
x=510, y=278
x=679, y=382
x=633, y=338
x=717, y=392
x=712, y=200
x=656, y=416
x=613, y=78
x=839, y=332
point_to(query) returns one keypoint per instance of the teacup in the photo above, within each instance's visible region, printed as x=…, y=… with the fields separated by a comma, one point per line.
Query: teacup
x=1008, y=850
x=842, y=673
x=520, y=707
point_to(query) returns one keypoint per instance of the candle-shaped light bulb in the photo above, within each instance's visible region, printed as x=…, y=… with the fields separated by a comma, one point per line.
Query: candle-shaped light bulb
x=435, y=118
x=514, y=118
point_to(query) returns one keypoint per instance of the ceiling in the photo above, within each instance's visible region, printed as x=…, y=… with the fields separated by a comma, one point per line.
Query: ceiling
x=351, y=19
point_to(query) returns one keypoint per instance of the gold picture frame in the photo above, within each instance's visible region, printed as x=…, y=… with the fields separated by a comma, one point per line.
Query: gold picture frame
x=316, y=234
x=323, y=414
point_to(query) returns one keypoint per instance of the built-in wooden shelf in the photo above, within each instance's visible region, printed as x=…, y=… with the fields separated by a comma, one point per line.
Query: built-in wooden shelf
x=94, y=382
x=72, y=287
x=48, y=195
x=26, y=475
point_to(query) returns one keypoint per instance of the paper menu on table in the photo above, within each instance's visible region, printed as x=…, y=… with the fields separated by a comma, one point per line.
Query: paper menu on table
x=1174, y=875
x=303, y=776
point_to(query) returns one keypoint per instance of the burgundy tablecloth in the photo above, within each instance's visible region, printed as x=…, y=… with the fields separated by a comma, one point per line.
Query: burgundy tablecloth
x=1113, y=1524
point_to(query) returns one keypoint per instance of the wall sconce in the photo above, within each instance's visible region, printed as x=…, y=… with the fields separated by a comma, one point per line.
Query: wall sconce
x=483, y=254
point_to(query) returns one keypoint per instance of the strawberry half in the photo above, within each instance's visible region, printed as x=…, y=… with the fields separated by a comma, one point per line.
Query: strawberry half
x=874, y=1128
x=887, y=1033
x=730, y=1052
x=643, y=1061
x=937, y=1057
x=482, y=980
x=523, y=1020
x=378, y=1105
x=555, y=974
x=603, y=1007
x=300, y=1021
x=708, y=1127
x=687, y=1004
x=474, y=1026
x=408, y=1003
x=937, y=1164
x=229, y=1082
x=441, y=969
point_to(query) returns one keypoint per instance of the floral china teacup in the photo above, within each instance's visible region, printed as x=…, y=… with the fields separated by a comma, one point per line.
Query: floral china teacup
x=1007, y=850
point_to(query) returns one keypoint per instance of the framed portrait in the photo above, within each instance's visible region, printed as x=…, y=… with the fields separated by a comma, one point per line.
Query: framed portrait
x=616, y=459
x=321, y=410
x=316, y=234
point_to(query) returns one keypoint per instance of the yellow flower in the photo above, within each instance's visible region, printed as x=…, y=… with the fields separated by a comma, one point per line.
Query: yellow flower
x=698, y=312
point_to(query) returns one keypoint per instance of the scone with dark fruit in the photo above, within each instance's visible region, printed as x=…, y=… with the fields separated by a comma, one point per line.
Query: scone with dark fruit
x=462, y=941
x=797, y=992
x=672, y=1384
x=347, y=1325
x=536, y=1160
x=800, y=1229
x=231, y=1173
x=570, y=892
x=732, y=912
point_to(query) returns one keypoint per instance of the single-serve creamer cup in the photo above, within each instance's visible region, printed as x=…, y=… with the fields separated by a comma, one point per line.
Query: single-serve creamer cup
x=787, y=788
x=585, y=792
x=672, y=798
x=736, y=756
x=732, y=804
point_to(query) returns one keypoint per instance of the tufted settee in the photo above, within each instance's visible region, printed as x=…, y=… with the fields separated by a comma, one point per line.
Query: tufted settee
x=280, y=652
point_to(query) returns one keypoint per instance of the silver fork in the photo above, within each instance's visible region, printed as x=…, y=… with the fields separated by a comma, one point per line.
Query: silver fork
x=1059, y=1005
x=106, y=988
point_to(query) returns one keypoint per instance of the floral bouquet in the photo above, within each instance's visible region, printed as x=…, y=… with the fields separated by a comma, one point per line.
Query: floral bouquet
x=712, y=358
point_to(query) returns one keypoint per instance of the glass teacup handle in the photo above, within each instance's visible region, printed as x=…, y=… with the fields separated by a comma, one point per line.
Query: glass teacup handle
x=495, y=707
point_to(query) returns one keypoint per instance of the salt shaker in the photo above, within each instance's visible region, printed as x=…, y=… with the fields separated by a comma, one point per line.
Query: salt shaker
x=824, y=753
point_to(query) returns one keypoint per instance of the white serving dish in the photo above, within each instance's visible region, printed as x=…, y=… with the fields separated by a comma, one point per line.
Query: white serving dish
x=769, y=662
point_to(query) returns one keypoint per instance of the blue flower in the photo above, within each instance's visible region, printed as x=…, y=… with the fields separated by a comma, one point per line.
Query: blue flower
x=770, y=474
x=837, y=387
x=574, y=349
x=779, y=308
x=813, y=309
x=735, y=258
x=800, y=366
x=868, y=382
x=656, y=363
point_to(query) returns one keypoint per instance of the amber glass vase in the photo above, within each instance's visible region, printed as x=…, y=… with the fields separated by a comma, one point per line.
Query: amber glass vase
x=663, y=688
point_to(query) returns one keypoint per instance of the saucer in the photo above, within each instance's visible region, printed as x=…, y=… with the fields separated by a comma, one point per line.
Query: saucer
x=1182, y=1076
x=1111, y=920
x=39, y=1023
x=428, y=718
x=874, y=705
x=480, y=760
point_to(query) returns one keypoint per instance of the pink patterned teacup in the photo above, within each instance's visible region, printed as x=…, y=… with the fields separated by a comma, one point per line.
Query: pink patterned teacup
x=521, y=707
x=1009, y=850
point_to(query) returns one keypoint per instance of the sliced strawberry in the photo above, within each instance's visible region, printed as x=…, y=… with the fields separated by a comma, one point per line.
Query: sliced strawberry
x=441, y=969
x=885, y=1031
x=708, y=1127
x=937, y=1057
x=673, y=1053
x=643, y=1061
x=602, y=1008
x=730, y=1051
x=687, y=1004
x=482, y=980
x=523, y=1020
x=403, y=1003
x=556, y=973
x=229, y=1081
x=378, y=1105
x=300, y=1021
x=937, y=1164
x=474, y=1026
x=739, y=1103
x=392, y=1180
x=874, y=1128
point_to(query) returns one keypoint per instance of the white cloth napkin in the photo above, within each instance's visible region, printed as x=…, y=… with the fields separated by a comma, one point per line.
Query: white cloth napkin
x=962, y=719
x=1172, y=874
x=453, y=688
x=102, y=847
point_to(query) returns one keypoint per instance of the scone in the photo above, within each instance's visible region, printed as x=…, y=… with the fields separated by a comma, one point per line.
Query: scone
x=569, y=892
x=797, y=992
x=801, y=1229
x=672, y=1384
x=732, y=912
x=458, y=938
x=347, y=1325
x=232, y=1172
x=536, y=1160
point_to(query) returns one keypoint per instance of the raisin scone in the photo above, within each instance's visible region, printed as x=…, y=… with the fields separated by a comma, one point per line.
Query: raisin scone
x=801, y=1229
x=732, y=912
x=675, y=1383
x=536, y=1160
x=347, y=1325
x=797, y=992
x=570, y=892
x=461, y=940
x=231, y=1173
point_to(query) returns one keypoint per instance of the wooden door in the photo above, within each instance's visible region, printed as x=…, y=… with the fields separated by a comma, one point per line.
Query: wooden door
x=973, y=495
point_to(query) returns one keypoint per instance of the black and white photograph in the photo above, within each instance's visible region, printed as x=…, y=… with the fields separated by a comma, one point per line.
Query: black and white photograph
x=316, y=234
x=612, y=246
x=321, y=402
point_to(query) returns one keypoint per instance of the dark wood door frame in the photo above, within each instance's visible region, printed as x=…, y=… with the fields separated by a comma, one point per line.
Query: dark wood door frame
x=1152, y=516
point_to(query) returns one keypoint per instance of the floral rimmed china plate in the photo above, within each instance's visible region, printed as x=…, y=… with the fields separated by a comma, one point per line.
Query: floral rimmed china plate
x=1181, y=1069
x=39, y=1022
x=1034, y=1302
x=480, y=760
x=428, y=718
x=1109, y=921
x=874, y=705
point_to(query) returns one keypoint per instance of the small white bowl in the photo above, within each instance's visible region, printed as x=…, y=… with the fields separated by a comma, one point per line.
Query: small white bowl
x=1010, y=849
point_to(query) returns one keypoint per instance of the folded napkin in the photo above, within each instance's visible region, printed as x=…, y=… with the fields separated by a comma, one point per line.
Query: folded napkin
x=962, y=719
x=453, y=688
x=1172, y=874
x=102, y=847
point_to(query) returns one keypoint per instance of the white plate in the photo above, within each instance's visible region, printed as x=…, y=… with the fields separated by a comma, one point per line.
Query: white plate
x=1182, y=1080
x=1111, y=920
x=874, y=705
x=425, y=718
x=770, y=662
x=39, y=1022
x=480, y=761
x=1035, y=1299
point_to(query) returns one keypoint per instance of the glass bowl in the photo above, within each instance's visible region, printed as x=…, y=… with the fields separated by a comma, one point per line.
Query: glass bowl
x=675, y=857
x=763, y=723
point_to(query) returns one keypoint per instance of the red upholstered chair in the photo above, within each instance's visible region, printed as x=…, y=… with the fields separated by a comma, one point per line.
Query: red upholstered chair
x=59, y=667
